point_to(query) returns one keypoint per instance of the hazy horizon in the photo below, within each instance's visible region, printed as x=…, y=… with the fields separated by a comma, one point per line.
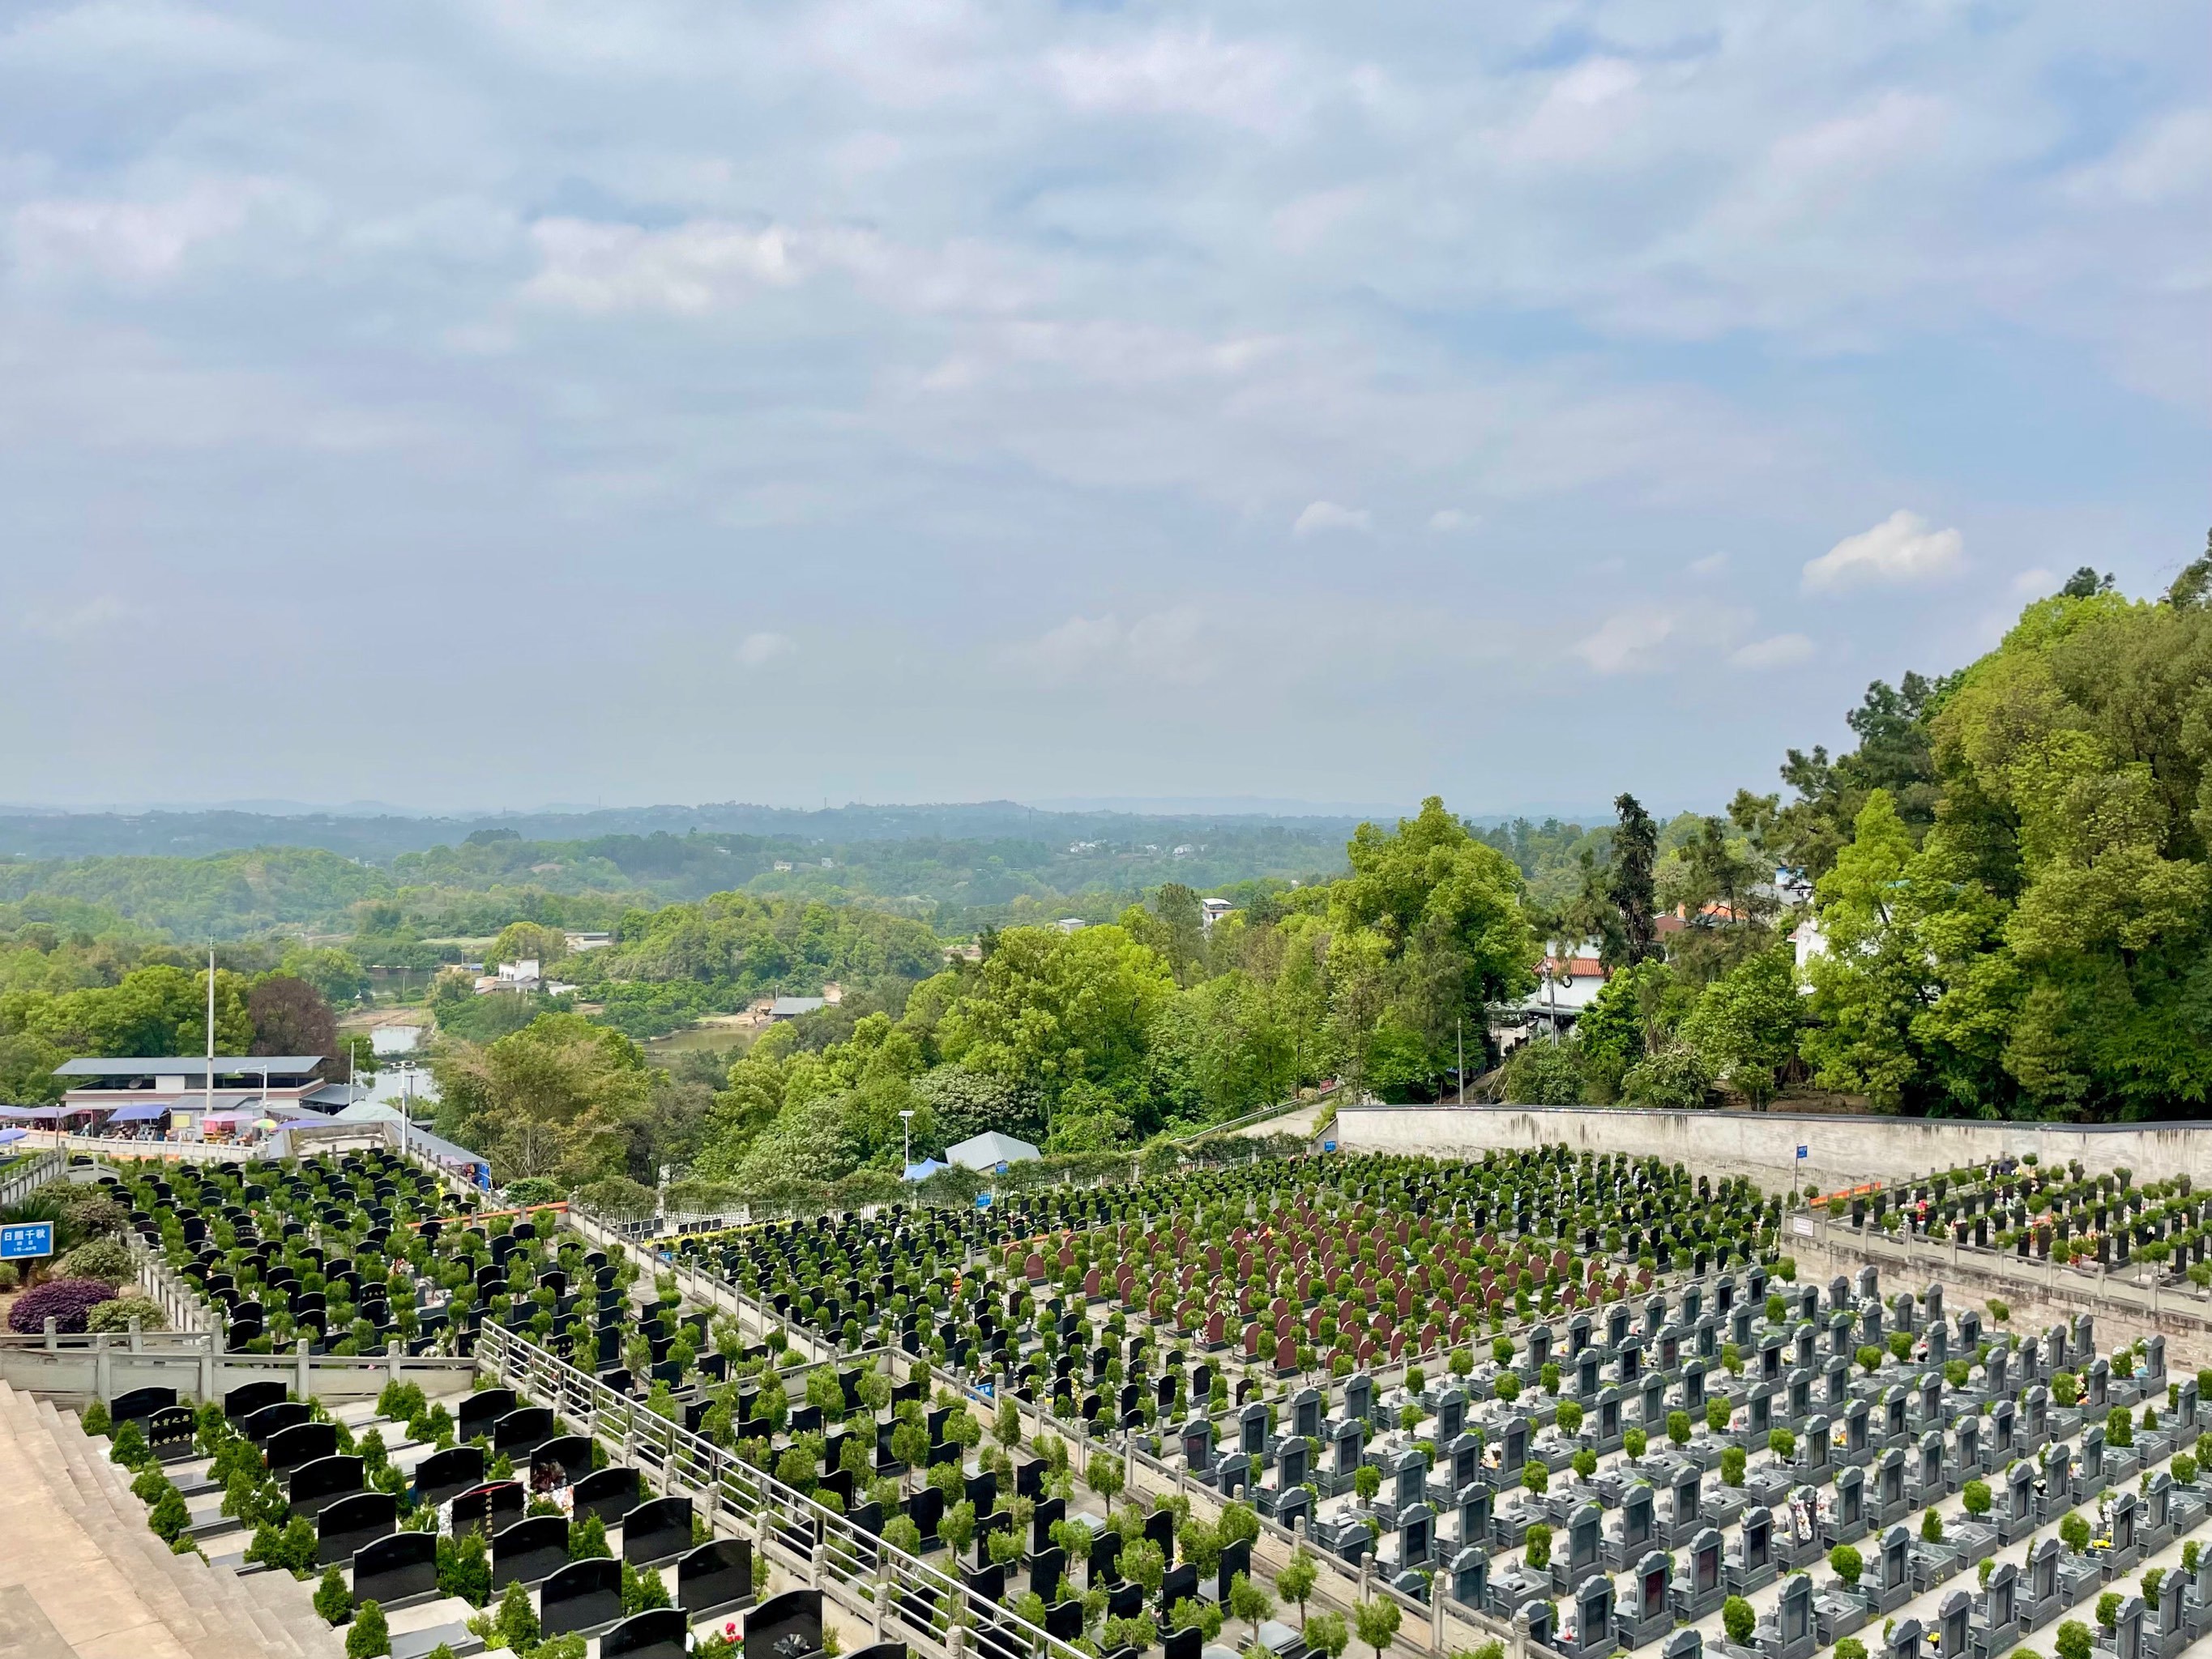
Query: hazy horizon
x=1134, y=806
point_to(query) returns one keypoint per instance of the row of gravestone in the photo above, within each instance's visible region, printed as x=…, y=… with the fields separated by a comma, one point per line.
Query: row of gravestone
x=2120, y=1225
x=1891, y=1497
x=1045, y=1563
x=772, y=1253
x=1760, y=1553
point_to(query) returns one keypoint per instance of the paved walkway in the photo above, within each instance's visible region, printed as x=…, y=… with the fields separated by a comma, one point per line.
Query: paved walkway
x=82, y=1578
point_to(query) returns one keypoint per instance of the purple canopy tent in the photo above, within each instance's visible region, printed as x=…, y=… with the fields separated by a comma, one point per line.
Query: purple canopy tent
x=143, y=1111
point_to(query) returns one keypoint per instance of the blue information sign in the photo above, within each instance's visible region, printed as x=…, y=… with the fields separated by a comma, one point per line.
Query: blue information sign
x=26, y=1239
x=1802, y=1150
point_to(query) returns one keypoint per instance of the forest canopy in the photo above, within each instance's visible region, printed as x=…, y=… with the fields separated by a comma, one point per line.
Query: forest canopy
x=2010, y=912
x=1996, y=903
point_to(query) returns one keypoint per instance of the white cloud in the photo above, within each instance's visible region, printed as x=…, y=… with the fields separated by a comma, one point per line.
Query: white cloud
x=1322, y=516
x=2172, y=160
x=758, y=650
x=77, y=622
x=1180, y=72
x=693, y=268
x=1782, y=650
x=1901, y=549
x=129, y=241
x=1448, y=518
x=1628, y=642
x=1165, y=646
x=1712, y=565
x=1583, y=116
x=1059, y=310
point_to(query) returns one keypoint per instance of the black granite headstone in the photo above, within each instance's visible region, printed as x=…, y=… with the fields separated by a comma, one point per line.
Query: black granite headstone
x=447, y=1475
x=316, y=1483
x=529, y=1550
x=349, y=1523
x=398, y=1564
x=714, y=1577
x=786, y=1626
x=248, y=1398
x=609, y=1493
x=580, y=1595
x=660, y=1633
x=657, y=1530
x=489, y=1507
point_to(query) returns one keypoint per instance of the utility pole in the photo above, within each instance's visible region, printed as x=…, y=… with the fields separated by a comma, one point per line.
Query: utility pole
x=208, y=1098
x=1462, y=1059
x=906, y=1140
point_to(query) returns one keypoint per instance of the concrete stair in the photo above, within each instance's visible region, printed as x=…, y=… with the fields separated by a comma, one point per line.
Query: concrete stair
x=79, y=1548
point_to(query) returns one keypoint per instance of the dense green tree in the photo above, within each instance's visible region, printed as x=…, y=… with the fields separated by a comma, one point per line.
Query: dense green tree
x=553, y=1096
x=337, y=974
x=1428, y=933
x=155, y=1009
x=289, y=1016
x=529, y=941
x=1744, y=1027
x=1635, y=859
x=1632, y=1016
x=1050, y=1009
x=1541, y=1073
x=2041, y=949
x=1173, y=925
x=1895, y=753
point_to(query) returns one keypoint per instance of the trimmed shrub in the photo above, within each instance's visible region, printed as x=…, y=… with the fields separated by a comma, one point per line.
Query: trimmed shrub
x=103, y=1259
x=128, y=1447
x=169, y=1517
x=1737, y=1618
x=65, y=1301
x=368, y=1635
x=116, y=1316
x=333, y=1600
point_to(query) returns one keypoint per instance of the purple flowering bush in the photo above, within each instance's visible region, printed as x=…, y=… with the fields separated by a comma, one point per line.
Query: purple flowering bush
x=65, y=1301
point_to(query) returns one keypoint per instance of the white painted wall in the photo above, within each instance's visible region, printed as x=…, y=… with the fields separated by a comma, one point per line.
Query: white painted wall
x=1842, y=1151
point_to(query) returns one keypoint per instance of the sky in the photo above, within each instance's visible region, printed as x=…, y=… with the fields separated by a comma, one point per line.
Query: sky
x=506, y=401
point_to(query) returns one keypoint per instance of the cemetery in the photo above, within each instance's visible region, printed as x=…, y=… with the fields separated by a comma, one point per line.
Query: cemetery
x=1570, y=1403
x=2102, y=1223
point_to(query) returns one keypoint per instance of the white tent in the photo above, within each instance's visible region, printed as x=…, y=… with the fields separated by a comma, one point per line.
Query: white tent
x=990, y=1150
x=369, y=1111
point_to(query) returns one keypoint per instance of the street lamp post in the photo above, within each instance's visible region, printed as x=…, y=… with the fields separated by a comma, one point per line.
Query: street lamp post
x=906, y=1141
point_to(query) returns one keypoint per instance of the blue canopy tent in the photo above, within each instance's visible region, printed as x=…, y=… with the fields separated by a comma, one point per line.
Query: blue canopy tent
x=923, y=1170
x=141, y=1111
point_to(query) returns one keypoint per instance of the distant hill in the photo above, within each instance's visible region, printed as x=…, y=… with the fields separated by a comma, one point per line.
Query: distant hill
x=379, y=838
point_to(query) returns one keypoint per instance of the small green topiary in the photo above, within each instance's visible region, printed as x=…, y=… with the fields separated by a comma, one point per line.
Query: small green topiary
x=129, y=1448
x=368, y=1636
x=333, y=1600
x=1738, y=1618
